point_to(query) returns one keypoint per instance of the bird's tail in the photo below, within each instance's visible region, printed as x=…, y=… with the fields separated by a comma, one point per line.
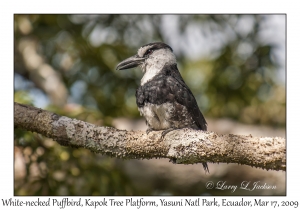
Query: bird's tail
x=205, y=166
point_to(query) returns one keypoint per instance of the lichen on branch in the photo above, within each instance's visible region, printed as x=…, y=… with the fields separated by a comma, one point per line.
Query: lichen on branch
x=184, y=146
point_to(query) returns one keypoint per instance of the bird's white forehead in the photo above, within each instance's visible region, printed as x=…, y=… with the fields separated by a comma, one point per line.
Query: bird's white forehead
x=141, y=52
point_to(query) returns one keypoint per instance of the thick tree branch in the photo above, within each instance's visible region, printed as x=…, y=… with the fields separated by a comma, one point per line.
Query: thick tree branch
x=185, y=146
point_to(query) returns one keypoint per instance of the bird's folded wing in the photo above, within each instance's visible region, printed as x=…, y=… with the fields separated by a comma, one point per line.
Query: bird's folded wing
x=184, y=96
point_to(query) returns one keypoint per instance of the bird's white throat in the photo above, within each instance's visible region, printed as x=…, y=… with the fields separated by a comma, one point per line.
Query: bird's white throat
x=155, y=63
x=149, y=74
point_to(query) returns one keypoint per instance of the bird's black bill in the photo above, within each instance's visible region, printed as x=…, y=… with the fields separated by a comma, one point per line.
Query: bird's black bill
x=131, y=62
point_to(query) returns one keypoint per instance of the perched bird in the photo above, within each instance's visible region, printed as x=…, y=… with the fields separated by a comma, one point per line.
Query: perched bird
x=163, y=98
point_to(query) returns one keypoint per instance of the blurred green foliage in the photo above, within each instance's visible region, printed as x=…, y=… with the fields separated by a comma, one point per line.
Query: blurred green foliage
x=238, y=79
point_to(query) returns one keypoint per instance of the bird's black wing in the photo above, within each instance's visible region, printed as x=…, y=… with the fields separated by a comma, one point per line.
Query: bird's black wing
x=184, y=95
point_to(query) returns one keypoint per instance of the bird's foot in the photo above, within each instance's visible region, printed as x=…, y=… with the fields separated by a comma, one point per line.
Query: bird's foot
x=164, y=133
x=149, y=130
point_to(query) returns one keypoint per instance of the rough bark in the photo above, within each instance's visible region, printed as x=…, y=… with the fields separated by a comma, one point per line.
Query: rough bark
x=185, y=146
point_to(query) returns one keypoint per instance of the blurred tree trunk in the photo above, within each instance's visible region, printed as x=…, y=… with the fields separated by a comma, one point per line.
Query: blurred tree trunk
x=30, y=64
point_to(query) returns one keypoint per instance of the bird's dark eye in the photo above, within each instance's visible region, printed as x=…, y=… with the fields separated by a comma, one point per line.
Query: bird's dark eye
x=149, y=52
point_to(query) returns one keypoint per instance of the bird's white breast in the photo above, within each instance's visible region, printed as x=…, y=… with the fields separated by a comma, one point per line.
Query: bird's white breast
x=162, y=116
x=157, y=115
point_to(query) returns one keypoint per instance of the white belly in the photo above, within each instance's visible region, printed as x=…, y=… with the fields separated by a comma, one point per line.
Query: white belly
x=161, y=117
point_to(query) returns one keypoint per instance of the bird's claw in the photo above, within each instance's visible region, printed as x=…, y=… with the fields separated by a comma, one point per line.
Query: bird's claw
x=165, y=132
x=149, y=130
